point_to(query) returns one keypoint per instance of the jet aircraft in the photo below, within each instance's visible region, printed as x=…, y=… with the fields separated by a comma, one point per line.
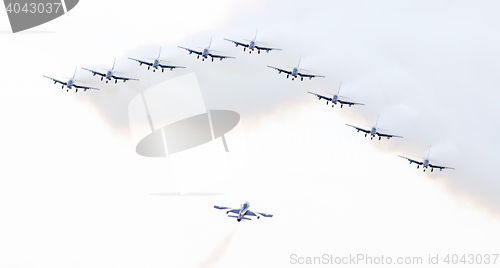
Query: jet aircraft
x=157, y=63
x=242, y=212
x=295, y=72
x=70, y=84
x=110, y=74
x=374, y=132
x=207, y=52
x=426, y=164
x=335, y=99
x=252, y=45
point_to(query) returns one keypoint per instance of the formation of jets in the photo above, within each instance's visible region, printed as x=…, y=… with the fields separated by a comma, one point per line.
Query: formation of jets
x=242, y=212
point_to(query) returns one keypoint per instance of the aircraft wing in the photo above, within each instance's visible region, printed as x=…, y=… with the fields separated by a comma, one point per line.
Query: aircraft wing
x=359, y=129
x=264, y=214
x=236, y=211
x=411, y=160
x=237, y=43
x=55, y=80
x=219, y=207
x=191, y=51
x=350, y=103
x=141, y=61
x=220, y=56
x=388, y=135
x=267, y=48
x=123, y=78
x=170, y=66
x=280, y=70
x=309, y=75
x=84, y=87
x=94, y=72
x=320, y=96
x=440, y=167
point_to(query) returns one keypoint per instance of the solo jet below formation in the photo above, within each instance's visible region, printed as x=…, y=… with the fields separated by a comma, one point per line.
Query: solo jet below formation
x=252, y=45
x=110, y=74
x=335, y=99
x=70, y=84
x=156, y=63
x=373, y=132
x=206, y=53
x=242, y=212
x=425, y=164
x=295, y=72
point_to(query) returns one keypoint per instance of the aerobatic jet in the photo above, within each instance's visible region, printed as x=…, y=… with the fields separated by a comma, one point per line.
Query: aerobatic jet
x=157, y=63
x=252, y=45
x=110, y=74
x=374, y=131
x=295, y=72
x=71, y=83
x=426, y=164
x=207, y=52
x=335, y=99
x=242, y=212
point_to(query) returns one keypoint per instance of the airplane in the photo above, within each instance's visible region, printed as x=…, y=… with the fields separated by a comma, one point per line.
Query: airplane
x=425, y=164
x=373, y=132
x=110, y=74
x=71, y=83
x=207, y=52
x=295, y=72
x=156, y=63
x=252, y=45
x=335, y=99
x=242, y=212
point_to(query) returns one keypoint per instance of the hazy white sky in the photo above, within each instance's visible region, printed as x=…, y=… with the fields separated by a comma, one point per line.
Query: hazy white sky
x=73, y=192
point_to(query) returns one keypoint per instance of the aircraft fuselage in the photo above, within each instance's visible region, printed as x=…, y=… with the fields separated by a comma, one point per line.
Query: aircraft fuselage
x=205, y=52
x=70, y=83
x=155, y=63
x=426, y=163
x=109, y=73
x=243, y=210
x=251, y=46
x=335, y=98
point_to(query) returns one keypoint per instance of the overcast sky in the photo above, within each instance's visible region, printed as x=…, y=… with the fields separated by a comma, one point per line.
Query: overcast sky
x=73, y=191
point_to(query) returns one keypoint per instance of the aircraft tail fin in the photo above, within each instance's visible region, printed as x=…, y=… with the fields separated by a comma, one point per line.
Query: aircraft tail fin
x=114, y=61
x=300, y=57
x=376, y=122
x=159, y=53
x=256, y=34
x=210, y=44
x=339, y=88
x=74, y=74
